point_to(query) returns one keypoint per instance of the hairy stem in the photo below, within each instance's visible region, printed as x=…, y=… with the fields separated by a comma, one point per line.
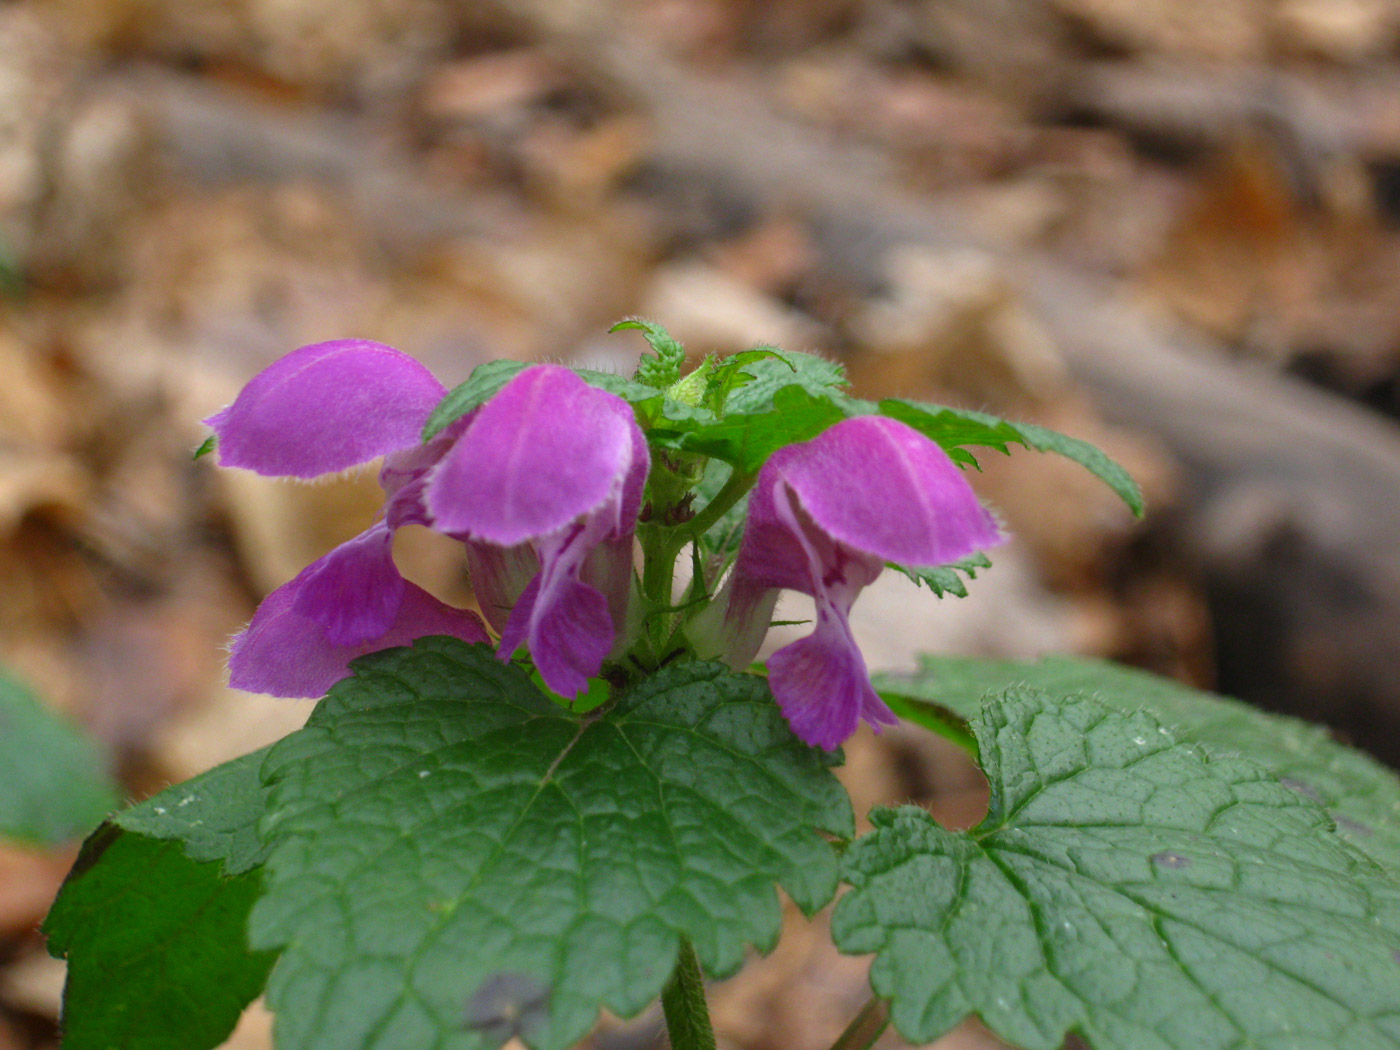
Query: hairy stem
x=860, y=1034
x=683, y=1000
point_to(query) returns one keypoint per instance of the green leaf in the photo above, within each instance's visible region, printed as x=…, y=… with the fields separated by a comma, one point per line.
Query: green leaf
x=53, y=781
x=955, y=428
x=487, y=379
x=732, y=372
x=1129, y=889
x=11, y=275
x=778, y=370
x=647, y=401
x=153, y=919
x=206, y=446
x=482, y=385
x=747, y=437
x=214, y=815
x=790, y=397
x=662, y=368
x=947, y=579
x=1362, y=796
x=456, y=859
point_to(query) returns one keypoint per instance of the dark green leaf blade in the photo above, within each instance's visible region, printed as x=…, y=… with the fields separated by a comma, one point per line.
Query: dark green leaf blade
x=1130, y=889
x=721, y=541
x=153, y=918
x=1362, y=796
x=214, y=815
x=53, y=782
x=482, y=385
x=956, y=428
x=156, y=946
x=445, y=836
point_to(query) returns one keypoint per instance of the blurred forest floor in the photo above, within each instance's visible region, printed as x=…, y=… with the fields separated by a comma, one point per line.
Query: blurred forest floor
x=1167, y=226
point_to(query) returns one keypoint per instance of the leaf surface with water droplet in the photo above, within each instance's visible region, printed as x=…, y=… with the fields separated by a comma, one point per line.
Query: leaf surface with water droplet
x=1130, y=889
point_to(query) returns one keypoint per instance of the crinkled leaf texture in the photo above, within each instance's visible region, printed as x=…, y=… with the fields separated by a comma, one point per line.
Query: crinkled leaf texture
x=1130, y=889
x=1361, y=795
x=153, y=918
x=662, y=367
x=456, y=859
x=53, y=782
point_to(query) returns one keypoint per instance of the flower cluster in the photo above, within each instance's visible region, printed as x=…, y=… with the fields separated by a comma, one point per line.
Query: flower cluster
x=544, y=485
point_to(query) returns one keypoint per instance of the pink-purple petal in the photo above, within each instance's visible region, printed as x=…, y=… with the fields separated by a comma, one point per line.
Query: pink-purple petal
x=544, y=451
x=565, y=622
x=823, y=519
x=899, y=496
x=564, y=625
x=499, y=577
x=283, y=653
x=326, y=408
x=821, y=683
x=354, y=592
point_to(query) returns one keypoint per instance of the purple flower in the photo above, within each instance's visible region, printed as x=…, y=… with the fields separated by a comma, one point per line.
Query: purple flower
x=544, y=486
x=824, y=518
x=319, y=410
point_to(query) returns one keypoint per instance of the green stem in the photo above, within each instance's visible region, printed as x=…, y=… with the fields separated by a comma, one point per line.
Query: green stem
x=869, y=1024
x=739, y=483
x=683, y=1000
x=661, y=547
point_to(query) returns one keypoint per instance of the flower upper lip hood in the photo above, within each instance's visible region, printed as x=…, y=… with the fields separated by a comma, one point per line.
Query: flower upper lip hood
x=545, y=451
x=824, y=518
x=549, y=472
x=326, y=408
x=320, y=410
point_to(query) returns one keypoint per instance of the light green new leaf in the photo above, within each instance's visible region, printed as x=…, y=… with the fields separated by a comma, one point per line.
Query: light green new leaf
x=1128, y=888
x=773, y=370
x=153, y=919
x=1362, y=796
x=662, y=367
x=788, y=397
x=456, y=859
x=53, y=780
x=746, y=440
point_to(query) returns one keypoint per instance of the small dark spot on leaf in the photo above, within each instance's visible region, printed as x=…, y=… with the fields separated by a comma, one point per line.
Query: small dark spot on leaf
x=1395, y=956
x=1355, y=827
x=507, y=1005
x=1301, y=787
x=1170, y=860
